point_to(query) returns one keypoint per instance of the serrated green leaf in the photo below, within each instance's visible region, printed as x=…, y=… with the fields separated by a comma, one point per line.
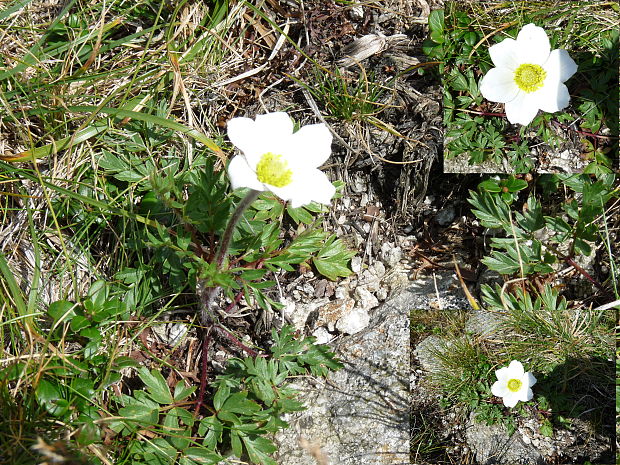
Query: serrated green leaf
x=300, y=215
x=157, y=386
x=332, y=259
x=532, y=218
x=458, y=81
x=501, y=263
x=181, y=392
x=258, y=449
x=230, y=417
x=558, y=225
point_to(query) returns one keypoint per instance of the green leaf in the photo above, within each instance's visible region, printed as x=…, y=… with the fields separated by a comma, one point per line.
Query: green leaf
x=223, y=392
x=235, y=442
x=182, y=392
x=470, y=38
x=546, y=429
x=532, y=218
x=332, y=259
x=61, y=310
x=490, y=210
x=458, y=81
x=238, y=403
x=140, y=414
x=203, y=456
x=79, y=322
x=47, y=391
x=300, y=215
x=211, y=428
x=558, y=225
x=514, y=185
x=230, y=417
x=501, y=263
x=177, y=436
x=436, y=25
x=157, y=386
x=258, y=449
x=490, y=185
x=582, y=247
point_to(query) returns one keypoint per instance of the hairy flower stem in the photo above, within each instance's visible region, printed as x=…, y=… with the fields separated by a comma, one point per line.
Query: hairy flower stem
x=232, y=222
x=208, y=296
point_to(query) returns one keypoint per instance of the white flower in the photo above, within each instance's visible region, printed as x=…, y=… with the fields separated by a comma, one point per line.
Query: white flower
x=279, y=160
x=513, y=384
x=528, y=76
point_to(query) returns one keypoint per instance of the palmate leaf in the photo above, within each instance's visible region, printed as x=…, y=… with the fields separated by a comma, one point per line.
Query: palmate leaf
x=490, y=210
x=527, y=258
x=258, y=449
x=332, y=259
x=157, y=386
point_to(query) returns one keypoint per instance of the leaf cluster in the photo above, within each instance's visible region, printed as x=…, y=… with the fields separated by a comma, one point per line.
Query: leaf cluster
x=249, y=399
x=522, y=250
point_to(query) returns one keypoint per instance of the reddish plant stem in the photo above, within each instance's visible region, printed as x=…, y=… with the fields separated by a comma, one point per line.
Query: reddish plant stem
x=572, y=263
x=584, y=273
x=234, y=302
x=208, y=296
x=235, y=341
x=206, y=342
x=585, y=133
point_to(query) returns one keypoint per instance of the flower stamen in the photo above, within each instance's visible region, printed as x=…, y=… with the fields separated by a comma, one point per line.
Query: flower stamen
x=530, y=77
x=272, y=170
x=514, y=385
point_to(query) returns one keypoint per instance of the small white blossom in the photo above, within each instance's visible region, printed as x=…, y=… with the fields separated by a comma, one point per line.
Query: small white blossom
x=528, y=76
x=513, y=384
x=279, y=160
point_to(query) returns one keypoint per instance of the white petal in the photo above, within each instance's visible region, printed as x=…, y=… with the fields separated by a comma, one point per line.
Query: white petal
x=533, y=45
x=522, y=109
x=498, y=85
x=277, y=124
x=241, y=175
x=311, y=145
x=255, y=138
x=553, y=97
x=516, y=369
x=503, y=374
x=499, y=389
x=306, y=187
x=504, y=54
x=525, y=394
x=560, y=65
x=511, y=400
x=529, y=377
x=242, y=133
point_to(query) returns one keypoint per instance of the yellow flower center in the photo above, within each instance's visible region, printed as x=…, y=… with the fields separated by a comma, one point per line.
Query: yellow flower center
x=530, y=77
x=514, y=384
x=272, y=170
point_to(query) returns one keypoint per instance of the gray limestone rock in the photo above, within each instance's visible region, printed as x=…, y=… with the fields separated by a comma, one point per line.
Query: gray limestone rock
x=428, y=352
x=360, y=414
x=484, y=323
x=492, y=445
